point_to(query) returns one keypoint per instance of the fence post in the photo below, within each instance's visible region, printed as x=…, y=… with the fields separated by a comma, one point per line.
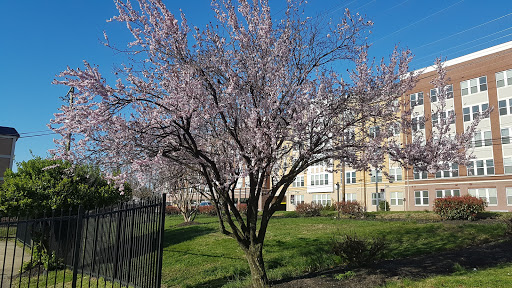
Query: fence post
x=161, y=241
x=118, y=240
x=78, y=243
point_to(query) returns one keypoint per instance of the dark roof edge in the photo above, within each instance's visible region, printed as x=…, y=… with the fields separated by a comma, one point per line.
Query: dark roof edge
x=9, y=131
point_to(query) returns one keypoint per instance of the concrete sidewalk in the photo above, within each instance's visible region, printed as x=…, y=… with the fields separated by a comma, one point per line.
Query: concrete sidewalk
x=6, y=264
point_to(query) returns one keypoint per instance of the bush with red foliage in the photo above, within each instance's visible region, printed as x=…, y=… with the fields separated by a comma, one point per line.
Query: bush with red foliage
x=352, y=208
x=308, y=209
x=207, y=210
x=172, y=210
x=459, y=207
x=242, y=208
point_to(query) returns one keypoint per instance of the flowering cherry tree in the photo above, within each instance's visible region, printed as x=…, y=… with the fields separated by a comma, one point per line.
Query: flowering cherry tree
x=241, y=98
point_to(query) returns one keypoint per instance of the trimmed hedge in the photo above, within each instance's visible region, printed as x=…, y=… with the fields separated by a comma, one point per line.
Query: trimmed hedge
x=352, y=208
x=308, y=209
x=459, y=207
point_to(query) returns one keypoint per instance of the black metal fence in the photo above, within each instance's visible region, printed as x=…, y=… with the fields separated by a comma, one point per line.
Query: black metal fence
x=119, y=246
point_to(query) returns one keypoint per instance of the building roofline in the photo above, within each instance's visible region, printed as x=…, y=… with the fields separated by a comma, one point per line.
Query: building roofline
x=468, y=57
x=9, y=131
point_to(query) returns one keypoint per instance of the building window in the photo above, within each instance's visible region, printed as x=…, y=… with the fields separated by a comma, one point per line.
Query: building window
x=374, y=131
x=482, y=138
x=416, y=99
x=443, y=114
x=395, y=129
x=509, y=196
x=447, y=193
x=504, y=78
x=377, y=197
x=481, y=167
x=505, y=106
x=379, y=175
x=507, y=165
x=298, y=182
x=299, y=199
x=473, y=85
x=505, y=136
x=421, y=198
x=418, y=123
x=487, y=194
x=322, y=199
x=471, y=112
x=319, y=179
x=350, y=177
x=397, y=198
x=452, y=172
x=395, y=174
x=434, y=95
x=419, y=174
x=350, y=197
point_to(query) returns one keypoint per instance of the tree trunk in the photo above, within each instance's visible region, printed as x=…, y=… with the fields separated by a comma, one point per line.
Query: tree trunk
x=254, y=255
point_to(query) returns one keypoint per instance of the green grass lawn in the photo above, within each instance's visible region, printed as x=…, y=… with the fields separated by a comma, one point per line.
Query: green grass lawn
x=199, y=256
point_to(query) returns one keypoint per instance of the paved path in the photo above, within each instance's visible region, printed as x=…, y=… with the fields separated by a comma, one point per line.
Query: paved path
x=8, y=267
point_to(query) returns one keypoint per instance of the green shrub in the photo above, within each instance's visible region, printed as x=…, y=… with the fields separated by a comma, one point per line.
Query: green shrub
x=383, y=206
x=358, y=252
x=308, y=209
x=346, y=275
x=351, y=208
x=459, y=207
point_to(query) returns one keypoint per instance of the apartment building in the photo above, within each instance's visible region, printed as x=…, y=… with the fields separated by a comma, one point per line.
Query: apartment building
x=8, y=138
x=477, y=81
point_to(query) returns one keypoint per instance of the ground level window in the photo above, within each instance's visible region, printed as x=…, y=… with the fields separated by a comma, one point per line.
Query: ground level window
x=447, y=193
x=322, y=199
x=350, y=197
x=397, y=198
x=487, y=194
x=421, y=198
x=377, y=197
x=509, y=195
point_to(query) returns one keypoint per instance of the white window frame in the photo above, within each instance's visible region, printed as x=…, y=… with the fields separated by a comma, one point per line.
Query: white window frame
x=469, y=113
x=509, y=196
x=478, y=164
x=350, y=197
x=350, y=177
x=507, y=165
x=444, y=114
x=453, y=172
x=396, y=198
x=482, y=139
x=503, y=108
x=421, y=198
x=394, y=173
x=473, y=86
x=505, y=135
x=419, y=175
x=443, y=193
x=377, y=197
x=416, y=99
x=485, y=193
x=374, y=131
x=319, y=179
x=299, y=181
x=504, y=78
x=322, y=199
x=379, y=176
x=433, y=93
x=418, y=123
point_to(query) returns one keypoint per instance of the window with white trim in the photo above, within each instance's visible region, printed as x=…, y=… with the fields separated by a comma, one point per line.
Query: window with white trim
x=350, y=197
x=419, y=174
x=504, y=78
x=505, y=136
x=447, y=193
x=443, y=114
x=482, y=138
x=395, y=129
x=416, y=99
x=377, y=197
x=418, y=123
x=452, y=172
x=374, y=132
x=396, y=198
x=379, y=175
x=487, y=194
x=481, y=167
x=322, y=199
x=509, y=196
x=434, y=94
x=505, y=106
x=350, y=177
x=507, y=165
x=421, y=198
x=470, y=113
x=395, y=174
x=297, y=199
x=299, y=181
x=473, y=86
x=319, y=179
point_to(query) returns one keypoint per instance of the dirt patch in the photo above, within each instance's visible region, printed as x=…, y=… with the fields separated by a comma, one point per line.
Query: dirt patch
x=475, y=257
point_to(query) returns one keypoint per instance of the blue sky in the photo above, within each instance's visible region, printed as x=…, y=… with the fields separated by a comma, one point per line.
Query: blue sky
x=41, y=38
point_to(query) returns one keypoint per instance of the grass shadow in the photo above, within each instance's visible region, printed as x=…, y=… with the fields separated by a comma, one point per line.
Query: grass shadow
x=178, y=235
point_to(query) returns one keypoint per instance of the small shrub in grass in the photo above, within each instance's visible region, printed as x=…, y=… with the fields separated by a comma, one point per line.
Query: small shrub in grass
x=207, y=210
x=459, y=207
x=346, y=275
x=383, y=206
x=172, y=210
x=351, y=208
x=329, y=207
x=356, y=251
x=308, y=209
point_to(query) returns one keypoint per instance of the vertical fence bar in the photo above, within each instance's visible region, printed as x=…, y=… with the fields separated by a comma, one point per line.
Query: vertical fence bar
x=58, y=237
x=5, y=251
x=68, y=232
x=78, y=242
x=161, y=241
